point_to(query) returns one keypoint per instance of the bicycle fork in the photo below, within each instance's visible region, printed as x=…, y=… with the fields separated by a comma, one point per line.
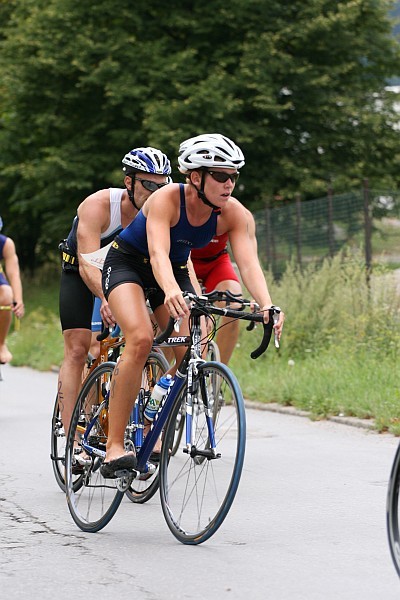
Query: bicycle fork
x=196, y=384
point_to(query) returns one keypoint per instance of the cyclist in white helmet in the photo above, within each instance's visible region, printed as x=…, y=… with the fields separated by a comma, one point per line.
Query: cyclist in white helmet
x=99, y=218
x=174, y=220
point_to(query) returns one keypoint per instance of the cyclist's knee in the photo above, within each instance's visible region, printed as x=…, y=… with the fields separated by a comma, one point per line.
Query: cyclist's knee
x=6, y=296
x=76, y=347
x=139, y=345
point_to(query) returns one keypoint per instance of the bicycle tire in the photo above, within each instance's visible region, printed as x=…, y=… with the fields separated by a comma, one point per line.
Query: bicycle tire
x=57, y=444
x=213, y=354
x=96, y=501
x=196, y=495
x=141, y=490
x=393, y=511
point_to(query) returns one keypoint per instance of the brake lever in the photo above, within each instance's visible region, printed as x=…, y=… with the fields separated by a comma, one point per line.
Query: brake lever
x=276, y=339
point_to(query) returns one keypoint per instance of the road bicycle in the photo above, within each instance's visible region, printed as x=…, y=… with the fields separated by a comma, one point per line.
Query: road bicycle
x=393, y=511
x=197, y=484
x=17, y=324
x=111, y=344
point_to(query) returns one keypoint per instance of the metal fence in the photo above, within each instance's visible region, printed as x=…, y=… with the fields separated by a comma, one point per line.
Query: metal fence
x=309, y=231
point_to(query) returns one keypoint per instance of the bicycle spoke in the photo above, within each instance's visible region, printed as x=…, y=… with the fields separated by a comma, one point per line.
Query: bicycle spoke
x=95, y=501
x=197, y=491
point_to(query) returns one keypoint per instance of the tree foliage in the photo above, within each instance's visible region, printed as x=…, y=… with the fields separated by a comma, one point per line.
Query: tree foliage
x=298, y=85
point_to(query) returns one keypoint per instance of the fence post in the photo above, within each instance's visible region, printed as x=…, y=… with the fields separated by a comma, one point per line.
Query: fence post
x=367, y=231
x=298, y=229
x=331, y=239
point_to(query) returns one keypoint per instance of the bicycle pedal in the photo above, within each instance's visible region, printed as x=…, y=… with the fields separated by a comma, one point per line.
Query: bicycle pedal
x=124, y=478
x=125, y=473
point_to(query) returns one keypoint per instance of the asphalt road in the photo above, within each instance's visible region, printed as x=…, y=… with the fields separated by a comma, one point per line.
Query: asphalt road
x=308, y=521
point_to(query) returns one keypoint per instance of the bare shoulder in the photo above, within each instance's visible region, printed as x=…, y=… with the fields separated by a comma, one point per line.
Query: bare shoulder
x=96, y=206
x=236, y=202
x=8, y=248
x=233, y=216
x=163, y=201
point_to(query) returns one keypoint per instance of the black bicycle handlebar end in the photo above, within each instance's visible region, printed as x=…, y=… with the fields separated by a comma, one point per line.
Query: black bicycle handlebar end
x=265, y=340
x=164, y=335
x=102, y=336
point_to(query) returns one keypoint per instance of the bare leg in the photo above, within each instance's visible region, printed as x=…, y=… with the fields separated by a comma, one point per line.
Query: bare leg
x=228, y=334
x=94, y=349
x=76, y=346
x=6, y=298
x=128, y=306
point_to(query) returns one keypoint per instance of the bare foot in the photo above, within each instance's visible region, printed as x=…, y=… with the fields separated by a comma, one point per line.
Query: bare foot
x=5, y=354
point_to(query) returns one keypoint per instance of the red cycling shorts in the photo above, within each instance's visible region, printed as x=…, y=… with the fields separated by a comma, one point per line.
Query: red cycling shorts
x=211, y=273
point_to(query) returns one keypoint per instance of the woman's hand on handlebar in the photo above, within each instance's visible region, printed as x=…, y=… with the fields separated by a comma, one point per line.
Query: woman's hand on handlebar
x=278, y=322
x=176, y=304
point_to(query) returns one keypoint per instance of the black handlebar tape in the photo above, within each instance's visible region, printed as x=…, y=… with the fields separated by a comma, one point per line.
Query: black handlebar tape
x=265, y=341
x=102, y=336
x=164, y=335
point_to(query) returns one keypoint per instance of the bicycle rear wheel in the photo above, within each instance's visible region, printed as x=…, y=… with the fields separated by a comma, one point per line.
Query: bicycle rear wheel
x=96, y=501
x=393, y=511
x=145, y=486
x=196, y=490
x=58, y=443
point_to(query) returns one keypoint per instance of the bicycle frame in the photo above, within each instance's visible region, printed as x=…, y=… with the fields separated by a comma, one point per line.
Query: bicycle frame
x=186, y=373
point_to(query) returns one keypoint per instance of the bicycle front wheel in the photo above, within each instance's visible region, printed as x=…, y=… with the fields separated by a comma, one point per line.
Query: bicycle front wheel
x=197, y=490
x=393, y=511
x=93, y=504
x=145, y=486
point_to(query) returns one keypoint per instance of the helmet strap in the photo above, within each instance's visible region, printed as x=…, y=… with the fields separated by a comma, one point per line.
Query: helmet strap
x=130, y=191
x=202, y=196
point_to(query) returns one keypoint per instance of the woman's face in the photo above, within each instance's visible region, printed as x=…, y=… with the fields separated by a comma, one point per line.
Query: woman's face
x=219, y=183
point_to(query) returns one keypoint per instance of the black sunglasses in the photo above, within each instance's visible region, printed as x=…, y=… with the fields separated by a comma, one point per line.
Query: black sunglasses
x=222, y=177
x=150, y=186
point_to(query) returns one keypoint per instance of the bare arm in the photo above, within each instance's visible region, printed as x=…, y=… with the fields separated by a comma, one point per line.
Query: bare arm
x=11, y=264
x=94, y=217
x=193, y=277
x=162, y=211
x=242, y=237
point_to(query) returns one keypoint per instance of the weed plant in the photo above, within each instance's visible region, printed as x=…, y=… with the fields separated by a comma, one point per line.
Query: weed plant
x=340, y=347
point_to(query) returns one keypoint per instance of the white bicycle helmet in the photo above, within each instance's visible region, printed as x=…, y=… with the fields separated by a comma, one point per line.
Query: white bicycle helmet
x=209, y=150
x=147, y=160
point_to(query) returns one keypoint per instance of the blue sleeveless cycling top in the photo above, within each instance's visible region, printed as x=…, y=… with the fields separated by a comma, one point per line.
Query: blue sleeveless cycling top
x=183, y=235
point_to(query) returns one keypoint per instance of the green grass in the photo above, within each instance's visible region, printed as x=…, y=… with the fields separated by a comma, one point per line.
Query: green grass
x=39, y=342
x=339, y=352
x=340, y=348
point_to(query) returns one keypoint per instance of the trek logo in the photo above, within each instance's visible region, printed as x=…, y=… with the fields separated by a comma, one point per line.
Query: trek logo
x=178, y=340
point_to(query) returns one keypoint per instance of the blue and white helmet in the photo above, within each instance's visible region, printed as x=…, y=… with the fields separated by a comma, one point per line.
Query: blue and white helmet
x=209, y=150
x=146, y=160
x=1, y=223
